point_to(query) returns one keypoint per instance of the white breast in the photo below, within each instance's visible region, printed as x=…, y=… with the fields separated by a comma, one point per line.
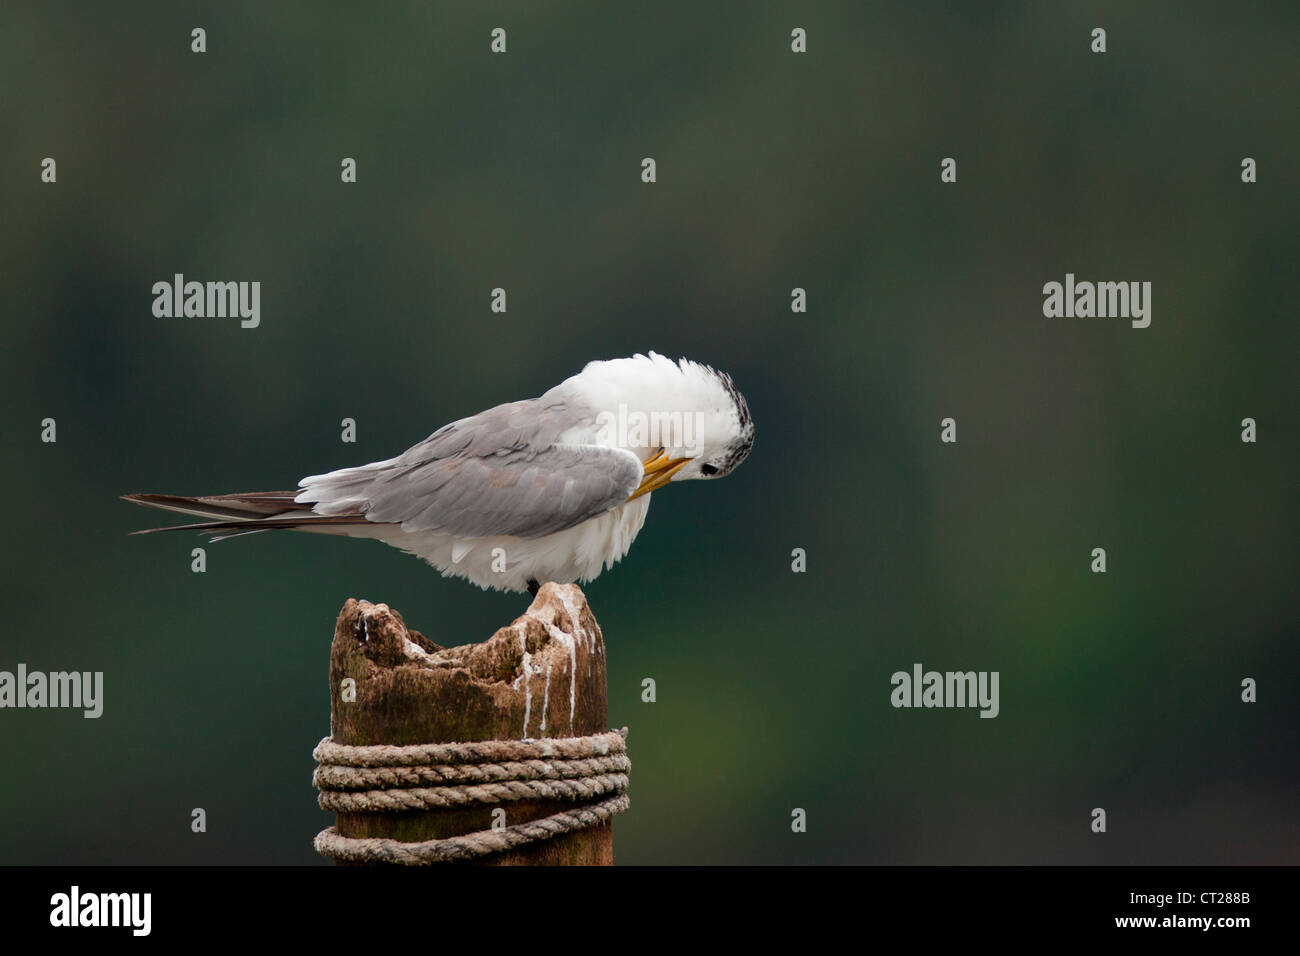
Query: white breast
x=577, y=554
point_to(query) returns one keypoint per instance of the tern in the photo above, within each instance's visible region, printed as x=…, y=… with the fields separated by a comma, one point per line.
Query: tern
x=554, y=488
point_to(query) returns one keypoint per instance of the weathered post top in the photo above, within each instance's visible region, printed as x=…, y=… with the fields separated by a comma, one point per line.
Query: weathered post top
x=541, y=679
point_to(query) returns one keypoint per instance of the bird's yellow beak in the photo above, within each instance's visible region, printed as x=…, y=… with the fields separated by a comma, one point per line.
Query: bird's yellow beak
x=659, y=470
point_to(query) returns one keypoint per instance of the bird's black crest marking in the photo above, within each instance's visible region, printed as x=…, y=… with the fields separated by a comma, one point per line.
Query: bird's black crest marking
x=741, y=452
x=742, y=409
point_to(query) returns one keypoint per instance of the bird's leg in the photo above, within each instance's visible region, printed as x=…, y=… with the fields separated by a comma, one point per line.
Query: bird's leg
x=533, y=586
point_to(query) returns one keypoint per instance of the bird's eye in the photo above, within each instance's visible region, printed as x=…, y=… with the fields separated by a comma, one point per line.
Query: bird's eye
x=708, y=470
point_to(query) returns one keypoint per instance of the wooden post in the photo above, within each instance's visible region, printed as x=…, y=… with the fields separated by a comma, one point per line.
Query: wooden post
x=543, y=676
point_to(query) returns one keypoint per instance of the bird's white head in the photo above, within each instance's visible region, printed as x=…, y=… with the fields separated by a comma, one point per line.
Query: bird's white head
x=685, y=420
x=725, y=428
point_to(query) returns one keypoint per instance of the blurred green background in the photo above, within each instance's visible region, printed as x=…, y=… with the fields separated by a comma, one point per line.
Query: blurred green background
x=775, y=170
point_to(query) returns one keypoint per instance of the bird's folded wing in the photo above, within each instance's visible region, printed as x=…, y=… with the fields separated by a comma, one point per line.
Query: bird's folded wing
x=514, y=489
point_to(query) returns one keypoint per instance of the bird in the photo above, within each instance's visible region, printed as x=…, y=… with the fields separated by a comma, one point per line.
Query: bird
x=548, y=489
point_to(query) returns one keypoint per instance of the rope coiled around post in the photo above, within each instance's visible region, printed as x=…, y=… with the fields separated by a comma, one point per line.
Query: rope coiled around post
x=386, y=778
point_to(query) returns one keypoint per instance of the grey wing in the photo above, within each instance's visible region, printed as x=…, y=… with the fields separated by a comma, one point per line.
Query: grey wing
x=500, y=472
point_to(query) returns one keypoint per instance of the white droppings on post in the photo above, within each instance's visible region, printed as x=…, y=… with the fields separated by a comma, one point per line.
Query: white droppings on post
x=528, y=694
x=527, y=669
x=567, y=641
x=575, y=616
x=546, y=698
x=416, y=652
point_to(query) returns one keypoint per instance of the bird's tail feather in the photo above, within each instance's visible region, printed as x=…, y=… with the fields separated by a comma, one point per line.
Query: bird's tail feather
x=241, y=514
